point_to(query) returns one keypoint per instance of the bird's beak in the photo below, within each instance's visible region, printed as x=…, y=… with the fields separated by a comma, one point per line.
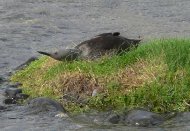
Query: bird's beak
x=44, y=53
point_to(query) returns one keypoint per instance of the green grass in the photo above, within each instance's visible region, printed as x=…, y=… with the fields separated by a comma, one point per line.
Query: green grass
x=156, y=75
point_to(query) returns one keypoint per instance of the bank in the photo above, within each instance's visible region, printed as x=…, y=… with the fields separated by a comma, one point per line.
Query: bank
x=155, y=76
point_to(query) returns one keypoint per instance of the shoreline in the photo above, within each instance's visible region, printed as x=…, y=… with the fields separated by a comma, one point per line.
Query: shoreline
x=117, y=82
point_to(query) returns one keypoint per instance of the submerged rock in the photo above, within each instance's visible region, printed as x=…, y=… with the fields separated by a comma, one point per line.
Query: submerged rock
x=9, y=101
x=114, y=118
x=179, y=118
x=98, y=118
x=136, y=117
x=143, y=118
x=43, y=105
x=12, y=92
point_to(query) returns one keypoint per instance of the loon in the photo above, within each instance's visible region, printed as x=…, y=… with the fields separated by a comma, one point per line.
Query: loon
x=95, y=47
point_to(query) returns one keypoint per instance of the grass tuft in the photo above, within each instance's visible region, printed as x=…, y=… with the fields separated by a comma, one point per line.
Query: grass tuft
x=156, y=75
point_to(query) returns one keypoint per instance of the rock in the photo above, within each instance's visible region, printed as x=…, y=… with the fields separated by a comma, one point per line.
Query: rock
x=15, y=85
x=21, y=96
x=1, y=80
x=142, y=118
x=179, y=119
x=10, y=85
x=2, y=107
x=131, y=118
x=90, y=117
x=94, y=92
x=22, y=66
x=114, y=118
x=9, y=101
x=12, y=92
x=98, y=118
x=43, y=105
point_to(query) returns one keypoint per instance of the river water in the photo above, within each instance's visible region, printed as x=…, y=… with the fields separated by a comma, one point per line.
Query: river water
x=30, y=25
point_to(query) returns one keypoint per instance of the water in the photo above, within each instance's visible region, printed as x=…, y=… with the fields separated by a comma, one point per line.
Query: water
x=30, y=25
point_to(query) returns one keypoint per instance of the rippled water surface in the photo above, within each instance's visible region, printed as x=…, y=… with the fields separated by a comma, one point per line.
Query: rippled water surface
x=30, y=25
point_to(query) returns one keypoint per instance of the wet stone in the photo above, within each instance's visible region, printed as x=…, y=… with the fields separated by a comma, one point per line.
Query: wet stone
x=99, y=118
x=143, y=118
x=43, y=105
x=15, y=85
x=2, y=107
x=114, y=118
x=12, y=92
x=1, y=80
x=9, y=101
x=21, y=96
x=181, y=117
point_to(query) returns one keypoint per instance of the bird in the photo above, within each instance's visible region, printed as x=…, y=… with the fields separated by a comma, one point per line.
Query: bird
x=95, y=47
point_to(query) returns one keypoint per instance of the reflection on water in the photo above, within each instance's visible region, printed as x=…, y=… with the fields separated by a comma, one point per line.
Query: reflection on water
x=30, y=25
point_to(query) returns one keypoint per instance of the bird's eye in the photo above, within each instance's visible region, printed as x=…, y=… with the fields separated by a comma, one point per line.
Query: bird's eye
x=55, y=53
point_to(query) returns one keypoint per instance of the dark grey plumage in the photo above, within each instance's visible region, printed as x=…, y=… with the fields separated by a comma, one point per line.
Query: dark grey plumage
x=95, y=47
x=105, y=43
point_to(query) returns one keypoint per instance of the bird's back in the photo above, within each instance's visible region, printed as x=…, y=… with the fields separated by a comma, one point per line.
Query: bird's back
x=105, y=42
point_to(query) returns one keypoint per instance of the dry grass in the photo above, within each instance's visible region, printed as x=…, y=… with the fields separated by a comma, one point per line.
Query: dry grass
x=142, y=72
x=76, y=84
